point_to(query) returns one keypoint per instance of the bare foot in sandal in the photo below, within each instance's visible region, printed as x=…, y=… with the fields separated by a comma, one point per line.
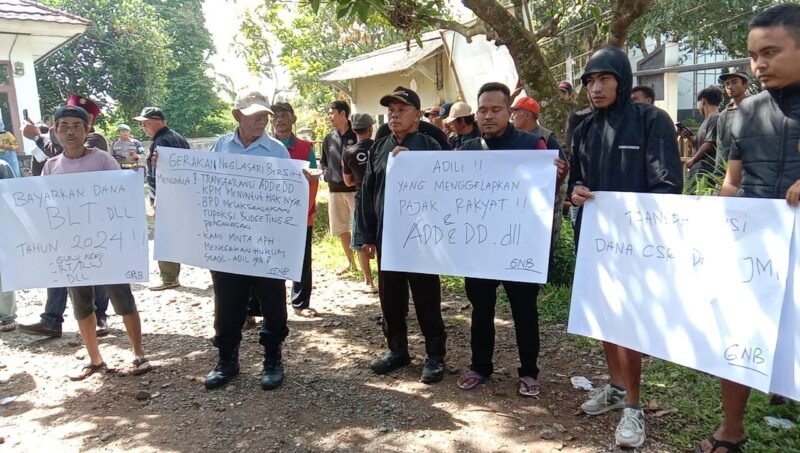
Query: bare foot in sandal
x=529, y=387
x=306, y=312
x=86, y=370
x=470, y=380
x=141, y=366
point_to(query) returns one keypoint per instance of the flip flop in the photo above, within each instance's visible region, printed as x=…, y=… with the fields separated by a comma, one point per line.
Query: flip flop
x=86, y=370
x=717, y=444
x=9, y=326
x=141, y=366
x=529, y=387
x=471, y=380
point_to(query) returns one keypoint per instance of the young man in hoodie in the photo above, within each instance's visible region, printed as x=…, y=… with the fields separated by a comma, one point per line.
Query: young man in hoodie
x=764, y=161
x=621, y=147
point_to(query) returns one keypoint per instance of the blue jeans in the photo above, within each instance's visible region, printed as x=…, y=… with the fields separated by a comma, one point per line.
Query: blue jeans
x=56, y=305
x=10, y=156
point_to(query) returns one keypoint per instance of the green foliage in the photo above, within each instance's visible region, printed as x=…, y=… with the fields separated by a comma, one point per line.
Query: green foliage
x=702, y=25
x=696, y=396
x=562, y=268
x=192, y=105
x=138, y=53
x=123, y=59
x=311, y=43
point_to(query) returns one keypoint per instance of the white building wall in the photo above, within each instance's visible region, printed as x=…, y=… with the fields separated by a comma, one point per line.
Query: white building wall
x=27, y=93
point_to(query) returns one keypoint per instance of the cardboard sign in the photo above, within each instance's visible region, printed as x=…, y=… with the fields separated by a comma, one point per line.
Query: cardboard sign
x=231, y=213
x=77, y=229
x=699, y=281
x=484, y=214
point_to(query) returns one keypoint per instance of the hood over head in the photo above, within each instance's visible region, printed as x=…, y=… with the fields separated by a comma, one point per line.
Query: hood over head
x=614, y=61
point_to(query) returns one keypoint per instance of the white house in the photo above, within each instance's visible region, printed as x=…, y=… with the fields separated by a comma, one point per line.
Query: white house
x=29, y=32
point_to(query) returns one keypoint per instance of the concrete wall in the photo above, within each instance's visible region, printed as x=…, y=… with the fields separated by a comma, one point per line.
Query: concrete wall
x=27, y=93
x=368, y=91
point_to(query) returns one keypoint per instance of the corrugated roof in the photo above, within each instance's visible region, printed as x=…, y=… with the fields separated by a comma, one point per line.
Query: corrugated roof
x=35, y=11
x=390, y=59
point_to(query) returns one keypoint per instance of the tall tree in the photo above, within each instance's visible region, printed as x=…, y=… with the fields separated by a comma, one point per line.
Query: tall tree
x=310, y=44
x=122, y=59
x=192, y=103
x=511, y=23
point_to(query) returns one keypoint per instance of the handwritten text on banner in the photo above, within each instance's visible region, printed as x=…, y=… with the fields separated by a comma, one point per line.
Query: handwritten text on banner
x=695, y=281
x=73, y=230
x=232, y=213
x=485, y=214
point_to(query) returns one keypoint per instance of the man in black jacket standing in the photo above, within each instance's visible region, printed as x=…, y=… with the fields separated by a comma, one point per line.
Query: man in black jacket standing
x=494, y=112
x=154, y=125
x=621, y=147
x=404, y=113
x=764, y=161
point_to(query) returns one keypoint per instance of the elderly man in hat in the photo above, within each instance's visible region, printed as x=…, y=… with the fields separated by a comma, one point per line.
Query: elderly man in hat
x=232, y=291
x=154, y=125
x=126, y=149
x=354, y=164
x=462, y=121
x=56, y=304
x=403, y=110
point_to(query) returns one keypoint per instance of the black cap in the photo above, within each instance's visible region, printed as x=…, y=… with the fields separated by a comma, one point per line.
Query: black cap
x=285, y=106
x=71, y=111
x=151, y=113
x=741, y=73
x=404, y=95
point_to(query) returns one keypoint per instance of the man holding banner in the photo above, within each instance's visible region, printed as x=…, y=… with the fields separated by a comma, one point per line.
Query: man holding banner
x=764, y=161
x=622, y=147
x=72, y=124
x=232, y=291
x=404, y=114
x=494, y=113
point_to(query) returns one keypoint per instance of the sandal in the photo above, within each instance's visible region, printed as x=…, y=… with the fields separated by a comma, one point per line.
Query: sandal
x=86, y=370
x=141, y=366
x=529, y=387
x=9, y=326
x=471, y=380
x=306, y=312
x=717, y=444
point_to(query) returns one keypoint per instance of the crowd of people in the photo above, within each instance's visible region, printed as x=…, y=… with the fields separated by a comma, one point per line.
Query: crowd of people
x=621, y=142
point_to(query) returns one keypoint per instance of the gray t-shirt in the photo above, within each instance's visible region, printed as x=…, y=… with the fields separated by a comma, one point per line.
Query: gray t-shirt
x=707, y=133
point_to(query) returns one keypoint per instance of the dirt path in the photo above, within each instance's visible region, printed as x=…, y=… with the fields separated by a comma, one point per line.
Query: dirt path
x=330, y=400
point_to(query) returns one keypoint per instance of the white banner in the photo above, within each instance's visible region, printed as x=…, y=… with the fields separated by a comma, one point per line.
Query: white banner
x=484, y=214
x=77, y=229
x=786, y=375
x=232, y=213
x=698, y=281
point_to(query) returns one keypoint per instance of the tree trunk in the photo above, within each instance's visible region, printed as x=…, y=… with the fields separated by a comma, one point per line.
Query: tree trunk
x=532, y=67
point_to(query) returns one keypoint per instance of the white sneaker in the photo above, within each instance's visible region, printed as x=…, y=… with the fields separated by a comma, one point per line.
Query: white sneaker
x=603, y=400
x=630, y=431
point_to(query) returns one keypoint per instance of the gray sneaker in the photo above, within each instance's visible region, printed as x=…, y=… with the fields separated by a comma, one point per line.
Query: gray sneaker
x=603, y=400
x=630, y=431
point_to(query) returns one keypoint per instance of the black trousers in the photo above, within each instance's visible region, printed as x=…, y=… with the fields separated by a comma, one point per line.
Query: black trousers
x=231, y=294
x=426, y=290
x=482, y=294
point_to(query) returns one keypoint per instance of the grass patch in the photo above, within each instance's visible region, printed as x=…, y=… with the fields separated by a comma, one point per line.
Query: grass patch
x=697, y=397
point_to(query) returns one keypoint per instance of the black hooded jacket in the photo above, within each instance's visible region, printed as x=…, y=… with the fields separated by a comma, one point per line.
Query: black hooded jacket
x=625, y=147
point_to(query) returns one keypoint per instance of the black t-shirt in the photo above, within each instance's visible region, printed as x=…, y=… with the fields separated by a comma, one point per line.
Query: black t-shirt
x=354, y=160
x=333, y=147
